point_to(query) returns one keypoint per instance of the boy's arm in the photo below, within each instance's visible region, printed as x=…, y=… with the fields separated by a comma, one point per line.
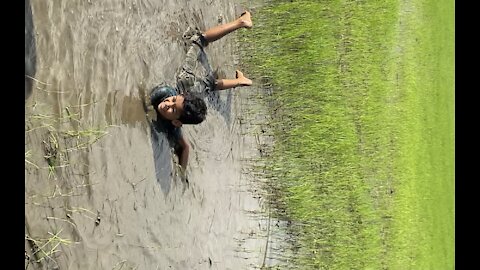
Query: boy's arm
x=183, y=152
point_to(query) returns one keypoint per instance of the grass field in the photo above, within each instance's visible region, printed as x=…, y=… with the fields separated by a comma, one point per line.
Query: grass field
x=363, y=120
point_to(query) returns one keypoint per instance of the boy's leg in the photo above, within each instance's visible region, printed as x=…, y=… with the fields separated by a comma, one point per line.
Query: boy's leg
x=240, y=80
x=217, y=32
x=186, y=78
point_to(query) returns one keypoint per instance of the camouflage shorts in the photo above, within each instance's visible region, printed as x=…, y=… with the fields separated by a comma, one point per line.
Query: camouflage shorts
x=189, y=79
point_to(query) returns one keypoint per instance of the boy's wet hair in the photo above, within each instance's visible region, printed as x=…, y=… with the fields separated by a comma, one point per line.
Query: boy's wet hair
x=158, y=92
x=194, y=109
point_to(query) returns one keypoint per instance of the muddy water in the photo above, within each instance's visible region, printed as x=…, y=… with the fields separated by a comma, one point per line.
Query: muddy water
x=101, y=188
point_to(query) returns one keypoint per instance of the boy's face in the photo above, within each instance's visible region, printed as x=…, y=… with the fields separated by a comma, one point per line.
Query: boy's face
x=171, y=108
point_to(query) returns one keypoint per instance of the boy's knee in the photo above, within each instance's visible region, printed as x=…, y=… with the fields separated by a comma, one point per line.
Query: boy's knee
x=184, y=83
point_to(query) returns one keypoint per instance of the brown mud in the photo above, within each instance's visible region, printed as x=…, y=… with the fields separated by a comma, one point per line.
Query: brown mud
x=101, y=188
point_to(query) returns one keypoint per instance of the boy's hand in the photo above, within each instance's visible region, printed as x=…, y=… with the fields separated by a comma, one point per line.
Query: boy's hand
x=183, y=175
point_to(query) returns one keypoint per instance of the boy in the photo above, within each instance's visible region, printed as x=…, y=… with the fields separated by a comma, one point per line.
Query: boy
x=175, y=107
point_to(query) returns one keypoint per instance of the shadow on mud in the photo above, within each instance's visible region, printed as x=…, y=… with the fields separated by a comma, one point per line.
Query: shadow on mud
x=213, y=97
x=30, y=50
x=162, y=158
x=223, y=107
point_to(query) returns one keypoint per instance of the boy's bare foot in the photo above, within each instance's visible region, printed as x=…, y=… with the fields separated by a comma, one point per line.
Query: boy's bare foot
x=246, y=19
x=243, y=81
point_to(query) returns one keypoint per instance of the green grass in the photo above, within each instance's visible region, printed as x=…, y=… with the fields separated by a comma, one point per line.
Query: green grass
x=364, y=129
x=45, y=249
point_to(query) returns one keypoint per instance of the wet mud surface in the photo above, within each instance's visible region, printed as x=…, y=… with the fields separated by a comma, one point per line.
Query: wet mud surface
x=101, y=187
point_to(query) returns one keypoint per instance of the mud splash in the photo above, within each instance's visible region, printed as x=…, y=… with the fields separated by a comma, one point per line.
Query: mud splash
x=101, y=189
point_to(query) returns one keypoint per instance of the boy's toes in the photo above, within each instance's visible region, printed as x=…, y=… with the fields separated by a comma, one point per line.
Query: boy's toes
x=246, y=19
